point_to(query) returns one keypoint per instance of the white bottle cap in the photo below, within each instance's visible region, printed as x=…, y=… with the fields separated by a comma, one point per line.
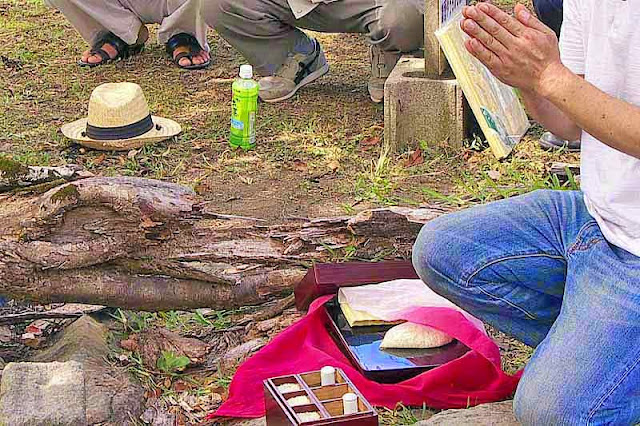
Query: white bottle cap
x=246, y=71
x=350, y=403
x=327, y=376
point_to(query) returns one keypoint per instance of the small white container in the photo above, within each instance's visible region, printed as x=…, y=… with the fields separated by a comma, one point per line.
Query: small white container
x=350, y=403
x=327, y=376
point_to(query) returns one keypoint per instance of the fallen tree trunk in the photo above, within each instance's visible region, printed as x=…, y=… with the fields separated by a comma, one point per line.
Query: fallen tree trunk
x=151, y=245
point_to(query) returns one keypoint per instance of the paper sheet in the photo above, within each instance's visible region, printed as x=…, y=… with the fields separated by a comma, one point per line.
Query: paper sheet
x=387, y=300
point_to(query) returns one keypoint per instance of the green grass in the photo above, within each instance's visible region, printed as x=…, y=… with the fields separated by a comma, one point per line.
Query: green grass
x=403, y=415
x=321, y=127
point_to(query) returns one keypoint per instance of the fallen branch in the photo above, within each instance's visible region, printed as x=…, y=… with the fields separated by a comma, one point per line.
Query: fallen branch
x=563, y=169
x=145, y=244
x=66, y=311
x=15, y=176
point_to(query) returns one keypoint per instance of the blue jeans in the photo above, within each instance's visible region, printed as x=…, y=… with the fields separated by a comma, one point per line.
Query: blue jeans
x=550, y=12
x=537, y=267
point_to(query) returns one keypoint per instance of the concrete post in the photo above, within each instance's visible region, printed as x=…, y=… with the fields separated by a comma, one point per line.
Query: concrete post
x=435, y=63
x=422, y=99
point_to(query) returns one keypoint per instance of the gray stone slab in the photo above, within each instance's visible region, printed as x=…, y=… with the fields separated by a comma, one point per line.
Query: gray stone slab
x=113, y=397
x=43, y=394
x=498, y=414
x=251, y=422
x=417, y=108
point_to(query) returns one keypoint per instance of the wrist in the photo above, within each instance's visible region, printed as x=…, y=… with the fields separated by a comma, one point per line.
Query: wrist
x=551, y=80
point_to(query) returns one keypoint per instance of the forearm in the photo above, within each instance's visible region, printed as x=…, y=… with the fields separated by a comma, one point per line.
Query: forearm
x=612, y=121
x=550, y=116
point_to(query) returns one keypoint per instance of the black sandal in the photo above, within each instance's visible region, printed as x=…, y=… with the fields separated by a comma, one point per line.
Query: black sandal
x=188, y=47
x=123, y=50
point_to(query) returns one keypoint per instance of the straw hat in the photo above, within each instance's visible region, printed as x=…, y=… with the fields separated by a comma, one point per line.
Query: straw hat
x=119, y=119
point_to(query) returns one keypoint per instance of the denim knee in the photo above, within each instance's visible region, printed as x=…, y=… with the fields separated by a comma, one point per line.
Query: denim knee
x=400, y=27
x=430, y=255
x=536, y=403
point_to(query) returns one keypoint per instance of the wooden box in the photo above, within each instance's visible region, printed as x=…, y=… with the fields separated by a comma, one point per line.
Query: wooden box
x=325, y=400
x=324, y=279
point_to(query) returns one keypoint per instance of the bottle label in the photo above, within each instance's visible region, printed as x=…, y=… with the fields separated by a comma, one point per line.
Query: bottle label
x=237, y=124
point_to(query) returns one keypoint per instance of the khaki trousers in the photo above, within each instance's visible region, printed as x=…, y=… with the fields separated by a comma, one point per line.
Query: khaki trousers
x=92, y=18
x=265, y=32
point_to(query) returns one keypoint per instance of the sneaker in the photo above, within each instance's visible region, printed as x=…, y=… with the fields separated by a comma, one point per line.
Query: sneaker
x=299, y=70
x=549, y=141
x=382, y=63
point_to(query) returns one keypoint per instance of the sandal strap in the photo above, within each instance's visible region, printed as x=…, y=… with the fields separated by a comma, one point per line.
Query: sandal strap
x=102, y=53
x=182, y=55
x=118, y=44
x=183, y=40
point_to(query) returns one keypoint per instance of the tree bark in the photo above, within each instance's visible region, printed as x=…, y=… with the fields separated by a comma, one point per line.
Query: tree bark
x=150, y=245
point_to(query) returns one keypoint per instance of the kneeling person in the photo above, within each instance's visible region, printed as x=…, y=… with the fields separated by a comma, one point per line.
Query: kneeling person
x=115, y=29
x=559, y=270
x=267, y=33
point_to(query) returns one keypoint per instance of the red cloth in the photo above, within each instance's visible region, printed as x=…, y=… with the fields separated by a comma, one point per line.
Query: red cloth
x=475, y=378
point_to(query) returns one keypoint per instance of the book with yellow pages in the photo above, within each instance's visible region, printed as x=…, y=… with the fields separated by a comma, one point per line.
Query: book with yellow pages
x=495, y=105
x=361, y=318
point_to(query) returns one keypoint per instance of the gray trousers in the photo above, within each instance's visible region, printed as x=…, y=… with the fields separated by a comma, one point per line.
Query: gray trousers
x=266, y=31
x=92, y=18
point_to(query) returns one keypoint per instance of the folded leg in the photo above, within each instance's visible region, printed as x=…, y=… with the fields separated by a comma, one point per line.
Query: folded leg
x=93, y=18
x=587, y=370
x=504, y=262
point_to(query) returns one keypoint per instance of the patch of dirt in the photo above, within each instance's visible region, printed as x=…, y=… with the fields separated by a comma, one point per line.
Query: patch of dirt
x=323, y=127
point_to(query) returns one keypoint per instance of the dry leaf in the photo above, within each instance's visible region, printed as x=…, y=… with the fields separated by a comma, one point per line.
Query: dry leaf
x=148, y=223
x=132, y=154
x=99, y=160
x=180, y=386
x=369, y=142
x=334, y=165
x=415, y=159
x=299, y=166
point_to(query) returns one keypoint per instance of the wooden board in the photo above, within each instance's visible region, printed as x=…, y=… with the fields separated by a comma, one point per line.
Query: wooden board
x=495, y=105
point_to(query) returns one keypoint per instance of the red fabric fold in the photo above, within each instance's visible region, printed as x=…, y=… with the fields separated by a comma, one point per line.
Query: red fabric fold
x=473, y=379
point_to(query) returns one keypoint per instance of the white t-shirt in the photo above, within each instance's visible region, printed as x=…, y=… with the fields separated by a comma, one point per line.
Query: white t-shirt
x=601, y=39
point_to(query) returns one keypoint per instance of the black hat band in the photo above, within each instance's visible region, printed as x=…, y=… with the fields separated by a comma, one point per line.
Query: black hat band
x=123, y=132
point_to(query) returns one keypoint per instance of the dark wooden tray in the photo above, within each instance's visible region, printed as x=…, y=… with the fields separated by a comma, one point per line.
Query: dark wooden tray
x=326, y=400
x=362, y=346
x=324, y=279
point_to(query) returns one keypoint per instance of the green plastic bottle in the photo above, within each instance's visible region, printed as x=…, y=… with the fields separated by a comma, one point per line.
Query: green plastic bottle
x=244, y=106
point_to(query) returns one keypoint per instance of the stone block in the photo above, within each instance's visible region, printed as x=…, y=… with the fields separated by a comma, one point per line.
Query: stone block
x=497, y=414
x=418, y=108
x=43, y=394
x=112, y=396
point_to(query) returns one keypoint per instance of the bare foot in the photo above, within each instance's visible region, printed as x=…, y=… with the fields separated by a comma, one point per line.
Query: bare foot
x=197, y=59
